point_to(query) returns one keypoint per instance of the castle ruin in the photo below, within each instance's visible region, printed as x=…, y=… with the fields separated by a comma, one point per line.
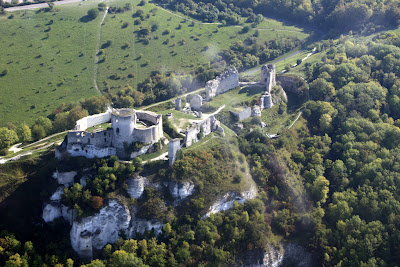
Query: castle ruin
x=268, y=76
x=127, y=126
x=222, y=83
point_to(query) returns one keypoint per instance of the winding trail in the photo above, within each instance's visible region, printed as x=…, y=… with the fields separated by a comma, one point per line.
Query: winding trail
x=96, y=56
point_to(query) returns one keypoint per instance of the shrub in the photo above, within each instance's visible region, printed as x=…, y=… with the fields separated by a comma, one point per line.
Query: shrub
x=93, y=13
x=97, y=202
x=101, y=6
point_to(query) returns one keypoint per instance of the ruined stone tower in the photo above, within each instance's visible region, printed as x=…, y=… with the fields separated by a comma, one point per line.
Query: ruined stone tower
x=268, y=74
x=173, y=147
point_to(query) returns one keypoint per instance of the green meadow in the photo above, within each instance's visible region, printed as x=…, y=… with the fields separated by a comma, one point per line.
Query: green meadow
x=49, y=57
x=178, y=44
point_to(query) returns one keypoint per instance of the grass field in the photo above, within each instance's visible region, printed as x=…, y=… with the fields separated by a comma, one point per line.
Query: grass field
x=48, y=62
x=50, y=56
x=185, y=47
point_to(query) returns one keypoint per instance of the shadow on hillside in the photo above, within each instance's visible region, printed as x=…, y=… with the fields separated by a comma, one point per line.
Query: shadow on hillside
x=21, y=211
x=251, y=90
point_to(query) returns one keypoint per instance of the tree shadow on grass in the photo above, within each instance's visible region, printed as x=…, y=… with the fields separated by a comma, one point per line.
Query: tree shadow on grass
x=86, y=19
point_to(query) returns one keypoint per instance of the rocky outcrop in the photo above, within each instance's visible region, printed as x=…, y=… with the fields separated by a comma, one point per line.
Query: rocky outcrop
x=51, y=212
x=180, y=190
x=136, y=186
x=140, y=226
x=290, y=254
x=54, y=210
x=65, y=178
x=226, y=202
x=94, y=232
x=58, y=194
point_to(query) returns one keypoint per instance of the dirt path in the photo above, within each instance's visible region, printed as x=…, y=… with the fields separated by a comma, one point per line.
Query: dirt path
x=41, y=5
x=171, y=99
x=248, y=72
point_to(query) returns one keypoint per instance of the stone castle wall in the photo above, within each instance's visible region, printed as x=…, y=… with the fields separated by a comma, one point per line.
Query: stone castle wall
x=223, y=83
x=207, y=126
x=244, y=114
x=111, y=141
x=93, y=120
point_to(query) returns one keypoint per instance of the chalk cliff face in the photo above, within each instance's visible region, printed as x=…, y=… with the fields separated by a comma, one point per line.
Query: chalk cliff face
x=51, y=212
x=94, y=232
x=290, y=254
x=65, y=178
x=136, y=186
x=226, y=202
x=180, y=190
x=98, y=230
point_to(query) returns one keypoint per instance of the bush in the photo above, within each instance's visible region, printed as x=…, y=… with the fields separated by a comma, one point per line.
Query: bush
x=93, y=13
x=101, y=6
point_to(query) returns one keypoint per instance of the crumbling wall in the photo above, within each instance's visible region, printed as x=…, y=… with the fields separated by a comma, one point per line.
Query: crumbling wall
x=223, y=83
x=196, y=102
x=242, y=115
x=268, y=76
x=205, y=126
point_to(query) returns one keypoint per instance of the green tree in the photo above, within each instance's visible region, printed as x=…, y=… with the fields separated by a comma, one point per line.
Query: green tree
x=320, y=189
x=24, y=133
x=93, y=13
x=7, y=137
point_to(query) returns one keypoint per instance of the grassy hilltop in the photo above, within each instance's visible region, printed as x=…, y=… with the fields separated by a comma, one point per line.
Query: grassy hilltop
x=49, y=57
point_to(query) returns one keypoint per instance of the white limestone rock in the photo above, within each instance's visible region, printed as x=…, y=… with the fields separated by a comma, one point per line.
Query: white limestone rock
x=51, y=212
x=226, y=202
x=58, y=194
x=136, y=186
x=181, y=190
x=141, y=225
x=65, y=178
x=94, y=232
x=68, y=214
x=83, y=180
